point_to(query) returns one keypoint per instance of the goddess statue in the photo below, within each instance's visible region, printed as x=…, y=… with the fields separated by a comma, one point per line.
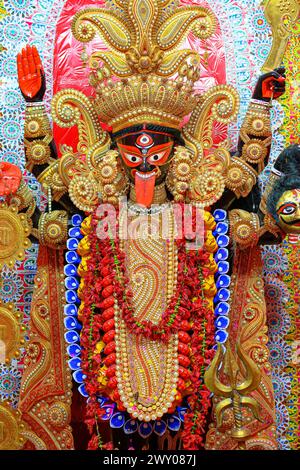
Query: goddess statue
x=149, y=246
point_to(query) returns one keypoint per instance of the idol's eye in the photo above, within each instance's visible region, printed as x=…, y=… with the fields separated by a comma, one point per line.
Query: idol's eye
x=287, y=209
x=158, y=157
x=132, y=158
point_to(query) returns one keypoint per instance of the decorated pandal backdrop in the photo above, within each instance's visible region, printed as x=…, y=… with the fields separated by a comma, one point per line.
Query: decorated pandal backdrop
x=79, y=369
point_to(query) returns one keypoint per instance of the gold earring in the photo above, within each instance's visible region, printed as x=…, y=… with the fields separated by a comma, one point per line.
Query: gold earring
x=112, y=176
x=179, y=173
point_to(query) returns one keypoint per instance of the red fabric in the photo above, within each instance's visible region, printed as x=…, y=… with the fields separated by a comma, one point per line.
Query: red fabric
x=68, y=69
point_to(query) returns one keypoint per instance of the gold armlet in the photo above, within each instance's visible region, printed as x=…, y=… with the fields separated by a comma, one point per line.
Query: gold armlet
x=244, y=228
x=37, y=127
x=240, y=177
x=53, y=229
x=37, y=123
x=256, y=133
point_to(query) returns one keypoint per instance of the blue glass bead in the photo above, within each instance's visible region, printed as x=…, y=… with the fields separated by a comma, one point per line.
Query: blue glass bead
x=222, y=295
x=79, y=376
x=72, y=244
x=130, y=426
x=71, y=323
x=181, y=412
x=174, y=423
x=73, y=350
x=222, y=322
x=70, y=309
x=102, y=401
x=222, y=308
x=220, y=215
x=221, y=228
x=72, y=257
x=71, y=297
x=117, y=420
x=221, y=336
x=74, y=363
x=145, y=429
x=82, y=391
x=221, y=255
x=223, y=241
x=160, y=427
x=109, y=410
x=71, y=337
x=223, y=281
x=74, y=232
x=76, y=220
x=70, y=270
x=223, y=267
x=71, y=282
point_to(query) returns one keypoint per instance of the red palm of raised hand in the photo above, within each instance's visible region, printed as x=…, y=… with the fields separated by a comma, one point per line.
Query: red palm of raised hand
x=30, y=72
x=10, y=178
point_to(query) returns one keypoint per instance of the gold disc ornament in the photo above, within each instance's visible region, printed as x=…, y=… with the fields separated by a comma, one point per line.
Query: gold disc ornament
x=206, y=187
x=11, y=332
x=14, y=232
x=11, y=428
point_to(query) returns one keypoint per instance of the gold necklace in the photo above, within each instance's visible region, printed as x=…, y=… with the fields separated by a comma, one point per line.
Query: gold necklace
x=160, y=358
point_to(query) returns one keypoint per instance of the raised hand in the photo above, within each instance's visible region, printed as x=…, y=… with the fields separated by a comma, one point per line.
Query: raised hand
x=270, y=85
x=30, y=74
x=10, y=178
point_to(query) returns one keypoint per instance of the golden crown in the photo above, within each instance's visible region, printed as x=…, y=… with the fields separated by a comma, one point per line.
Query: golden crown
x=133, y=79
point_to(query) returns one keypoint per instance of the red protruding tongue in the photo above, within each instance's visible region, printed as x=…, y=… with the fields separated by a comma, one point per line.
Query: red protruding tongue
x=144, y=189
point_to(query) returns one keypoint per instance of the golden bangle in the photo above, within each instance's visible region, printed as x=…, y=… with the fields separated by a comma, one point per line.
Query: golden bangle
x=23, y=197
x=240, y=177
x=53, y=229
x=244, y=227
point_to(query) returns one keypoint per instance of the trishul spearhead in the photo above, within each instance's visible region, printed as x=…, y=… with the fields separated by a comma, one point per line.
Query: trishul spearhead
x=241, y=381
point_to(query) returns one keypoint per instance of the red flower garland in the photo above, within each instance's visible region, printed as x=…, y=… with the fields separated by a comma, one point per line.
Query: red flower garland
x=106, y=270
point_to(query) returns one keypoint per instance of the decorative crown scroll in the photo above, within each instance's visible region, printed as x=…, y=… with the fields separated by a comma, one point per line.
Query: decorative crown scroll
x=143, y=35
x=145, y=77
x=144, y=38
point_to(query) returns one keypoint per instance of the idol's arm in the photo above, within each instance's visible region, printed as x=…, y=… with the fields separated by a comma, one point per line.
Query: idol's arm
x=50, y=228
x=256, y=134
x=247, y=208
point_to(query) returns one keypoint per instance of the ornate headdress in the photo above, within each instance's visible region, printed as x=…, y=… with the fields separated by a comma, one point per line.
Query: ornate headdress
x=145, y=77
x=143, y=36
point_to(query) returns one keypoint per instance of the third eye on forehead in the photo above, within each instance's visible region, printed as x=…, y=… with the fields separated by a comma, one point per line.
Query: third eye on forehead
x=145, y=139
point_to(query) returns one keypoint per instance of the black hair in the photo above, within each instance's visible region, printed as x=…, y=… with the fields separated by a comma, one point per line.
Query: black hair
x=288, y=162
x=285, y=183
x=150, y=127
